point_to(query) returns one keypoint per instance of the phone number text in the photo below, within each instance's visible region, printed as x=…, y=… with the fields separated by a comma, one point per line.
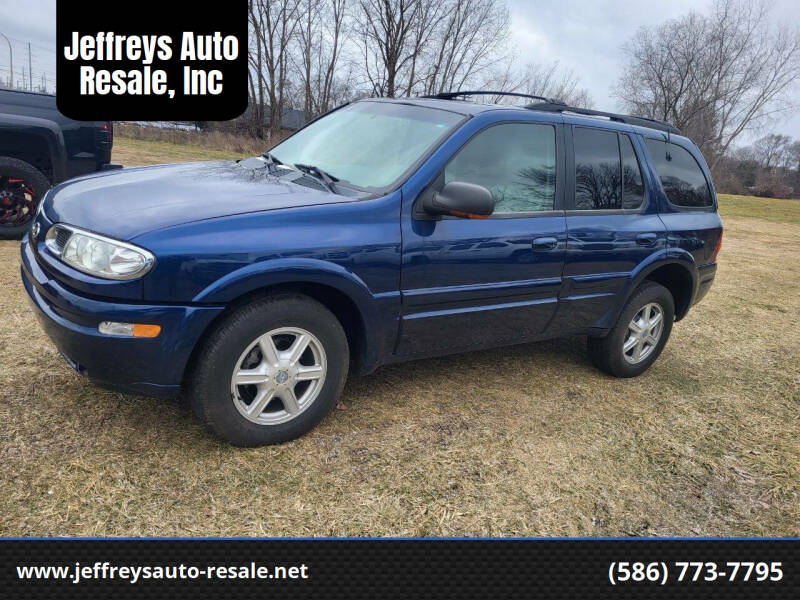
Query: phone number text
x=623, y=572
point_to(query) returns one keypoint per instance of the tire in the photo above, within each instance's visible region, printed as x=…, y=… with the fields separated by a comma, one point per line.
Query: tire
x=16, y=177
x=244, y=341
x=610, y=354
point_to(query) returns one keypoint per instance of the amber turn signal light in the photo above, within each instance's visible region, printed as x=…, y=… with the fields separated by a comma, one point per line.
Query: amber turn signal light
x=140, y=330
x=146, y=331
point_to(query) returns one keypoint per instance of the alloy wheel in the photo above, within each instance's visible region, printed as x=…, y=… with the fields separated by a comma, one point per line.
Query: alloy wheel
x=278, y=376
x=644, y=332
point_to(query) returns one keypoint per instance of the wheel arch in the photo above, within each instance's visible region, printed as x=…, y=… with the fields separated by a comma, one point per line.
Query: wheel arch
x=680, y=283
x=346, y=296
x=37, y=141
x=673, y=268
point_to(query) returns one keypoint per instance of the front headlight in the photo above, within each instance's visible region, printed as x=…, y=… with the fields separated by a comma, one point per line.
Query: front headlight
x=96, y=254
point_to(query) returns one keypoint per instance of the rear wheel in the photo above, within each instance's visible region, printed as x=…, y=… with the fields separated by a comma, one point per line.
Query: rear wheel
x=271, y=371
x=640, y=334
x=22, y=187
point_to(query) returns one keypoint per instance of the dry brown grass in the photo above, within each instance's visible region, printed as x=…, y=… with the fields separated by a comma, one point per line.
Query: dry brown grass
x=133, y=153
x=529, y=440
x=218, y=140
x=771, y=209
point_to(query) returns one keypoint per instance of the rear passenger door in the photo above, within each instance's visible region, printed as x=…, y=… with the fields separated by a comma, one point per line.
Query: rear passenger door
x=689, y=212
x=612, y=225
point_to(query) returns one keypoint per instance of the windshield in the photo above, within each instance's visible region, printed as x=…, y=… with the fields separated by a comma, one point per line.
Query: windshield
x=368, y=144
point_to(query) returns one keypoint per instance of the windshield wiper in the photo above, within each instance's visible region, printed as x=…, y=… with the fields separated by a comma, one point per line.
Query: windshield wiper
x=326, y=178
x=271, y=158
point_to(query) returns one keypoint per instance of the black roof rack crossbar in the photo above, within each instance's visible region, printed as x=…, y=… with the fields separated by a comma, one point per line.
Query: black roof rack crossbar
x=630, y=120
x=551, y=105
x=451, y=95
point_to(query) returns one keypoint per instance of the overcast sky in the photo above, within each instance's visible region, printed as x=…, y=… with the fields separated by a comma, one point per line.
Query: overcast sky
x=585, y=36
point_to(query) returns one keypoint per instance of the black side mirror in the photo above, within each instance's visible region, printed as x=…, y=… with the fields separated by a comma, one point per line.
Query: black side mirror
x=460, y=199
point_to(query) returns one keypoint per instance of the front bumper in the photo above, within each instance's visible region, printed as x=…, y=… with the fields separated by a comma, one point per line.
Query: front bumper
x=152, y=367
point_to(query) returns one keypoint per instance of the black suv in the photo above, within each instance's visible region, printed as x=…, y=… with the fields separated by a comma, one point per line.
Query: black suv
x=40, y=147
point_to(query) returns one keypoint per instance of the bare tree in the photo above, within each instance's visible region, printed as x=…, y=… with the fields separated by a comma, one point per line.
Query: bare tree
x=556, y=83
x=793, y=156
x=272, y=26
x=386, y=38
x=468, y=41
x=772, y=150
x=308, y=32
x=502, y=78
x=537, y=79
x=322, y=34
x=428, y=46
x=426, y=23
x=716, y=76
x=303, y=53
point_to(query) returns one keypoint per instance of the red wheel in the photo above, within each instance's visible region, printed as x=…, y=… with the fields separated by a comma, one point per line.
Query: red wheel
x=22, y=187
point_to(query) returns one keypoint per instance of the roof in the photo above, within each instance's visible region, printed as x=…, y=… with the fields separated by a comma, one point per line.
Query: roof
x=560, y=107
x=454, y=102
x=457, y=106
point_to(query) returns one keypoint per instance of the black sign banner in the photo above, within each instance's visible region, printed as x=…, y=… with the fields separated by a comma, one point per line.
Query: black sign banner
x=400, y=568
x=161, y=61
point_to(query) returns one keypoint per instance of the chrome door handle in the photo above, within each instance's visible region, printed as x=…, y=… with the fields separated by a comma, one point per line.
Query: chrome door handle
x=544, y=243
x=646, y=239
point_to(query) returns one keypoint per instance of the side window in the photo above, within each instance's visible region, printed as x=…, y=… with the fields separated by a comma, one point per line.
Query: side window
x=598, y=181
x=632, y=185
x=515, y=161
x=681, y=177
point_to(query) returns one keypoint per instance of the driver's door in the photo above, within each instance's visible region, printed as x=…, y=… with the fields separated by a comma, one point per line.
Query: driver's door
x=470, y=283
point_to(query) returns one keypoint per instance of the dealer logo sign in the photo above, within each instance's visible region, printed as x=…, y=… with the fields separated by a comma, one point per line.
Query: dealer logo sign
x=161, y=62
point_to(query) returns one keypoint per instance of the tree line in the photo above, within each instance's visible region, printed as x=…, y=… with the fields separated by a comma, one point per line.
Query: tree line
x=721, y=77
x=313, y=55
x=768, y=167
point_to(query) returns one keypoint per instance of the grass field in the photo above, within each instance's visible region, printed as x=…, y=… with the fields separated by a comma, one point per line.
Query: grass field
x=133, y=152
x=529, y=440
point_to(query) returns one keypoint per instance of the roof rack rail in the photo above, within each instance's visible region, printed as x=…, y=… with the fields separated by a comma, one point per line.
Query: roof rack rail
x=548, y=106
x=452, y=95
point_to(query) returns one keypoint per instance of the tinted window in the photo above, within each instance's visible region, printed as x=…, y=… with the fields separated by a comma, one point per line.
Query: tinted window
x=681, y=177
x=598, y=182
x=632, y=186
x=515, y=161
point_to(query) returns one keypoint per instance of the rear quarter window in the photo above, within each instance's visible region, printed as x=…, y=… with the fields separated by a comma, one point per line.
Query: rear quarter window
x=681, y=177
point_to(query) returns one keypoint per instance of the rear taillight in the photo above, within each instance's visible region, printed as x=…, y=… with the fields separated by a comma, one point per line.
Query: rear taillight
x=719, y=246
x=108, y=128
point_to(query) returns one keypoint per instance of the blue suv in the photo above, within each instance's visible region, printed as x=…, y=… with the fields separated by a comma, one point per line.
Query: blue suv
x=384, y=231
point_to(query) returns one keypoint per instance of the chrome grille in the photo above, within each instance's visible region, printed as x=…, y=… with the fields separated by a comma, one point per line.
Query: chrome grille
x=62, y=236
x=57, y=238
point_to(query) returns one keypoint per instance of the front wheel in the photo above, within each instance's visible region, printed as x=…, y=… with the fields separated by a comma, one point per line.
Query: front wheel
x=640, y=334
x=22, y=187
x=270, y=371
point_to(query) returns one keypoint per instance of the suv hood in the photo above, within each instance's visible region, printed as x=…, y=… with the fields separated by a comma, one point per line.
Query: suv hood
x=125, y=204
